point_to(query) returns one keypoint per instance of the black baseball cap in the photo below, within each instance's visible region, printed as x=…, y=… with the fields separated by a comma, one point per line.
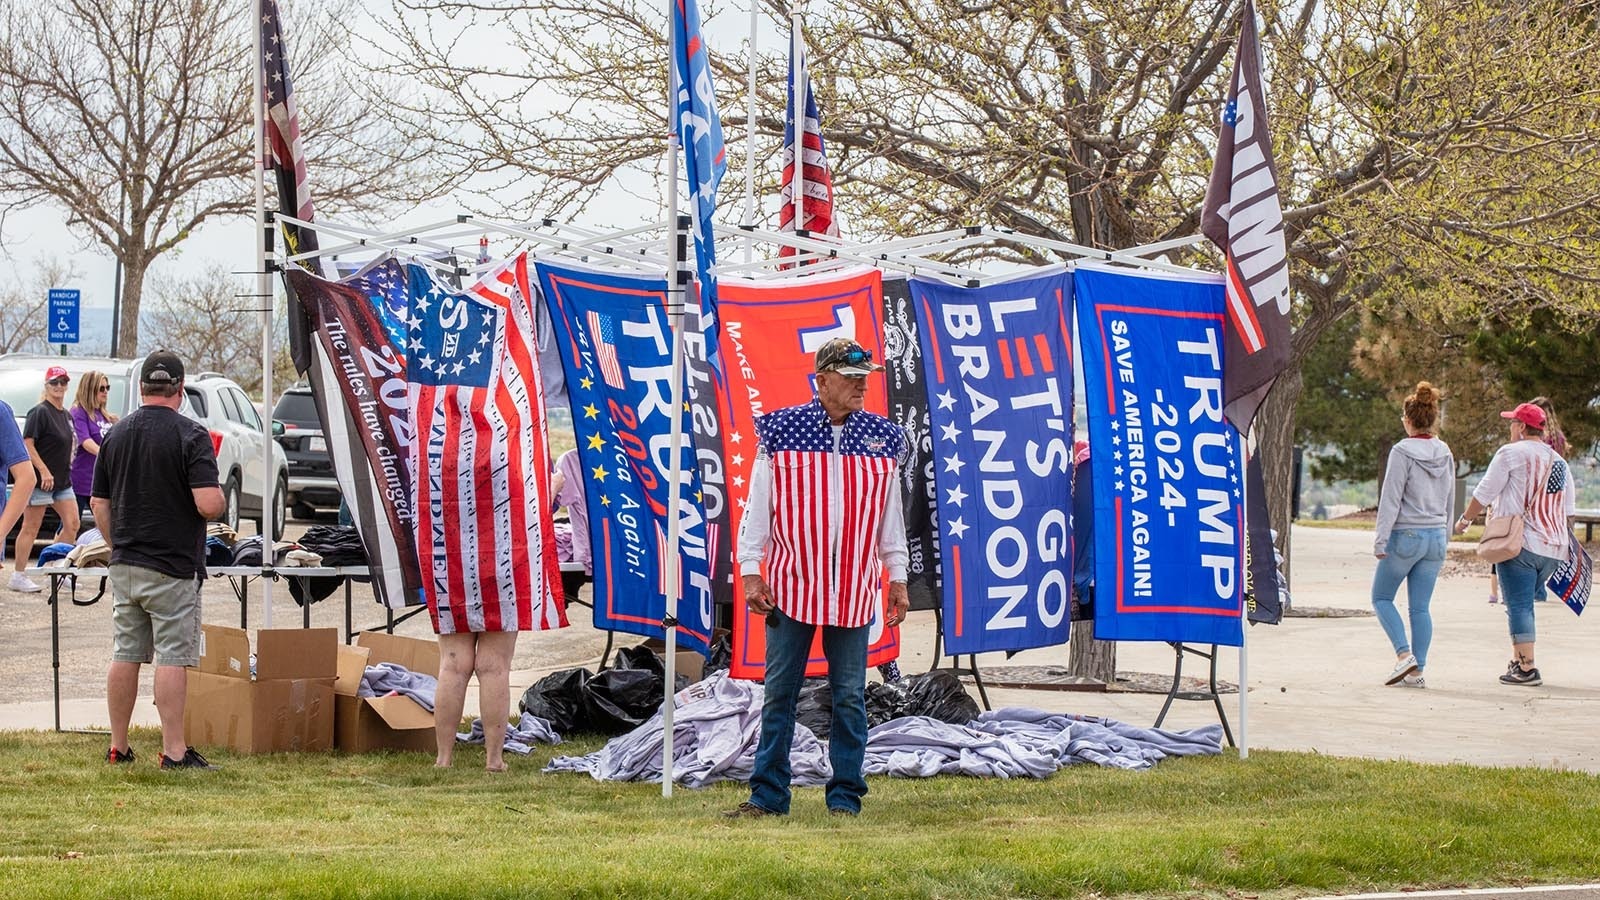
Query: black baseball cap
x=846, y=357
x=161, y=367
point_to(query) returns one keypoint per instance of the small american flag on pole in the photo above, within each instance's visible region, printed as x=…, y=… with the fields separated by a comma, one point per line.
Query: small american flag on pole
x=603, y=333
x=816, y=176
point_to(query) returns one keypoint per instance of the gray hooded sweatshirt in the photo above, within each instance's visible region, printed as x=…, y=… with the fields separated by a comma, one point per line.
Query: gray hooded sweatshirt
x=1417, y=489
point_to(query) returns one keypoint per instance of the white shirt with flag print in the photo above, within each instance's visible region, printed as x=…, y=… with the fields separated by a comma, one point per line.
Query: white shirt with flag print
x=1528, y=478
x=824, y=513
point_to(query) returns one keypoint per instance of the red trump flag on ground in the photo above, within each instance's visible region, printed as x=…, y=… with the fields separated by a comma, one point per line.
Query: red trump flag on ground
x=1244, y=217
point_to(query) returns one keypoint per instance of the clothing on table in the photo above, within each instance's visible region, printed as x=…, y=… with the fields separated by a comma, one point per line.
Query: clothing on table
x=51, y=430
x=1528, y=478
x=149, y=466
x=86, y=426
x=825, y=560
x=1418, y=488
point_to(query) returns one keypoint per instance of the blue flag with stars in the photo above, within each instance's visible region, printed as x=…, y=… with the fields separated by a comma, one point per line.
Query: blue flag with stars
x=449, y=336
x=1000, y=403
x=1168, y=483
x=615, y=343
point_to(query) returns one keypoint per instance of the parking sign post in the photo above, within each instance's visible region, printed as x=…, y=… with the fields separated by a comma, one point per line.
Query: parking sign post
x=63, y=309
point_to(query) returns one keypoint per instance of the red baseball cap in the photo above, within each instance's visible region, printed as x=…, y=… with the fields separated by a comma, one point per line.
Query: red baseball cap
x=1526, y=413
x=54, y=372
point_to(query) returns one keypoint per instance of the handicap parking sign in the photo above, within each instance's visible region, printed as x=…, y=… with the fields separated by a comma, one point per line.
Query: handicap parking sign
x=63, y=310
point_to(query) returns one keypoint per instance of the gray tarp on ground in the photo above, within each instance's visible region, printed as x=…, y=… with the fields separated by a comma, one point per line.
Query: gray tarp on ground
x=718, y=723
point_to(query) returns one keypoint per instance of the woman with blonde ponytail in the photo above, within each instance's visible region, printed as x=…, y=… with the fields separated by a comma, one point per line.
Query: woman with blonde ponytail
x=1413, y=530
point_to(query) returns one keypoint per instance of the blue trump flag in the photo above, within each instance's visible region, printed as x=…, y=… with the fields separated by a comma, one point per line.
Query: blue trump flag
x=1168, y=481
x=705, y=159
x=1000, y=398
x=616, y=348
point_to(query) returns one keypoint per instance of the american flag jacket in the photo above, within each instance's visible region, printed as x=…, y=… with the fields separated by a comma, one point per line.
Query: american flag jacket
x=824, y=512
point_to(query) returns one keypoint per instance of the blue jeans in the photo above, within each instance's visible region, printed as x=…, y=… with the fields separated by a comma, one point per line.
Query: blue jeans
x=788, y=647
x=1522, y=579
x=1415, y=556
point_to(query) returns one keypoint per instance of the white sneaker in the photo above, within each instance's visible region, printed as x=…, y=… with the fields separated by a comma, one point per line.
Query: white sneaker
x=22, y=583
x=1414, y=681
x=1402, y=668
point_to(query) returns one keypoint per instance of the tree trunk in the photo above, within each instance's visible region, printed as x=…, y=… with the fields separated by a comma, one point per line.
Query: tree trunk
x=1089, y=658
x=134, y=267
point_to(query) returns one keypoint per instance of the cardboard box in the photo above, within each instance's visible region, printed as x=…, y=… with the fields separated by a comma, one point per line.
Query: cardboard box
x=285, y=706
x=364, y=724
x=690, y=663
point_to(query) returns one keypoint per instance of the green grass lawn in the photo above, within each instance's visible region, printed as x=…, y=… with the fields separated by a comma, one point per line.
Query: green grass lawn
x=1277, y=824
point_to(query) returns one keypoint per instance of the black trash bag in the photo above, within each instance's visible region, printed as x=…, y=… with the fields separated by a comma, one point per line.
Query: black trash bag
x=885, y=702
x=815, y=707
x=939, y=695
x=642, y=658
x=558, y=699
x=721, y=657
x=617, y=701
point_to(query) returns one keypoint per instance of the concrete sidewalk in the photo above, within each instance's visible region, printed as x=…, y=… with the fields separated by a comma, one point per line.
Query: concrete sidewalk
x=1316, y=684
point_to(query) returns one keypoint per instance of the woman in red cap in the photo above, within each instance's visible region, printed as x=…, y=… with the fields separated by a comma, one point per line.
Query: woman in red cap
x=1527, y=477
x=47, y=433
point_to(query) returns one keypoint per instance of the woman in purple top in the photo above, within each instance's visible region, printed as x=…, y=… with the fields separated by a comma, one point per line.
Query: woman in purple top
x=90, y=422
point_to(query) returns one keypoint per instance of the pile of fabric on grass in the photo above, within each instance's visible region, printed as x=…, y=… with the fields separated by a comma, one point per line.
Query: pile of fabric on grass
x=717, y=724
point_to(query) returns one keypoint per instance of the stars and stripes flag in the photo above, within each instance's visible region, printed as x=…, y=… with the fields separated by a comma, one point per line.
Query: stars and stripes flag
x=603, y=332
x=699, y=129
x=479, y=456
x=286, y=158
x=817, y=203
x=1243, y=216
x=1573, y=578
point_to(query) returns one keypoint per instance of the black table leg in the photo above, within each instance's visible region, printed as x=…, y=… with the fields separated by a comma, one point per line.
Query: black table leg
x=55, y=643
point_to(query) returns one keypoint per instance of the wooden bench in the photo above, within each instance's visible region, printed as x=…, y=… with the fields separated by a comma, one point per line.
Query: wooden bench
x=1588, y=518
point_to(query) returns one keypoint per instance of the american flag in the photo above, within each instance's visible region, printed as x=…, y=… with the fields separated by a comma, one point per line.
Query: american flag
x=603, y=335
x=285, y=154
x=818, y=202
x=482, y=465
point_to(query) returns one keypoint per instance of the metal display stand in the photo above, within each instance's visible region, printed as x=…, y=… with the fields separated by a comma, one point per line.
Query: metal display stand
x=955, y=659
x=1211, y=694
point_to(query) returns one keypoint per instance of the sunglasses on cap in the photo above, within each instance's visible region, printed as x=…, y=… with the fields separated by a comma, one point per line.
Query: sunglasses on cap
x=855, y=356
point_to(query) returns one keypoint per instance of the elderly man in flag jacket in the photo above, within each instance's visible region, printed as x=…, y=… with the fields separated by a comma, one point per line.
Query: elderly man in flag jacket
x=824, y=513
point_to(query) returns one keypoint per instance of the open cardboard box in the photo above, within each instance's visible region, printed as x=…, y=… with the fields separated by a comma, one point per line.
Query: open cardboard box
x=690, y=663
x=285, y=705
x=364, y=724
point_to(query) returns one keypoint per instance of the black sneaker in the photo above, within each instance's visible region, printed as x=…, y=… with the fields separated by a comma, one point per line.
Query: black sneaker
x=748, y=810
x=191, y=760
x=1519, y=675
x=115, y=756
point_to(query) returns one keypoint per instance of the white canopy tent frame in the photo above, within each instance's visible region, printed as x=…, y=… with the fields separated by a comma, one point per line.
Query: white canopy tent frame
x=640, y=249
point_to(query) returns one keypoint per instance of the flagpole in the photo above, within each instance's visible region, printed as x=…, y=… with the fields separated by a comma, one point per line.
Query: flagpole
x=675, y=302
x=750, y=137
x=1244, y=613
x=797, y=87
x=264, y=296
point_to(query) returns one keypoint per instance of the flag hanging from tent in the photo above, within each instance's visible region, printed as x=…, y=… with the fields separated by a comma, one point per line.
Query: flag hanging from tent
x=479, y=457
x=1243, y=216
x=699, y=130
x=817, y=204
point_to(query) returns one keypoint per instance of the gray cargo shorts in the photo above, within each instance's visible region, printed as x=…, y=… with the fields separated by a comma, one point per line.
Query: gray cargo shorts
x=154, y=616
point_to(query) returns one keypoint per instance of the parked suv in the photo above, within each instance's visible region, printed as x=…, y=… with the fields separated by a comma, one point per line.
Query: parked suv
x=311, y=481
x=218, y=402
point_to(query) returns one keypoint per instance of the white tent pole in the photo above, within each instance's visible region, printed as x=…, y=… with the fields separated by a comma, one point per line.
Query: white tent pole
x=675, y=300
x=797, y=87
x=750, y=135
x=1244, y=619
x=265, y=297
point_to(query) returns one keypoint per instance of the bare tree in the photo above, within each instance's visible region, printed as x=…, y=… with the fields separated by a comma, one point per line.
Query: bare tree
x=1435, y=154
x=202, y=318
x=134, y=117
x=22, y=305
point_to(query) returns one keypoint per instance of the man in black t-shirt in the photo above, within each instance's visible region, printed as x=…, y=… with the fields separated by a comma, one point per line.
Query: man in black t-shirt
x=155, y=487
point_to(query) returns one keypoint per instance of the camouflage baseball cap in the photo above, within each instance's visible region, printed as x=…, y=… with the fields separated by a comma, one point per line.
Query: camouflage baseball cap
x=846, y=357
